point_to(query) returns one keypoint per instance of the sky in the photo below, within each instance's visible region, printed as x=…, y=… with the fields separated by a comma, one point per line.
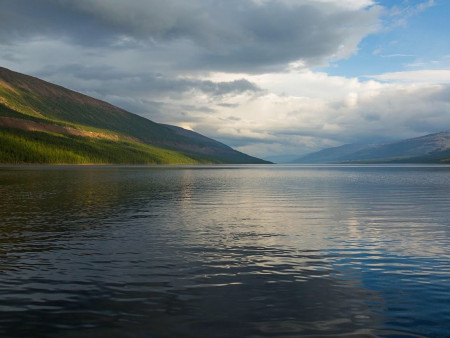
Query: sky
x=273, y=78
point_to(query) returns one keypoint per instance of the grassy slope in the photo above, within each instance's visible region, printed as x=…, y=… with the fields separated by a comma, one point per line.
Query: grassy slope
x=29, y=98
x=20, y=146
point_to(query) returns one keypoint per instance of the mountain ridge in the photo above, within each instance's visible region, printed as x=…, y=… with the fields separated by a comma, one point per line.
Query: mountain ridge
x=430, y=148
x=36, y=106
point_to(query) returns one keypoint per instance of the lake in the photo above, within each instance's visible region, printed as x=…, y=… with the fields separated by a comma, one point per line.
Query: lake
x=225, y=251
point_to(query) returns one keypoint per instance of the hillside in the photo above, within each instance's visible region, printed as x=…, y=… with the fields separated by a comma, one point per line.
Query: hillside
x=41, y=122
x=433, y=148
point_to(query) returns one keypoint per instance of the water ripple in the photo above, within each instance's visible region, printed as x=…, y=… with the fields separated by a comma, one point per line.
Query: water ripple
x=225, y=251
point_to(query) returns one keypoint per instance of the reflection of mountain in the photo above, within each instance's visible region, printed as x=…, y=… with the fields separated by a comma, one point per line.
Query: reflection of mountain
x=44, y=123
x=433, y=148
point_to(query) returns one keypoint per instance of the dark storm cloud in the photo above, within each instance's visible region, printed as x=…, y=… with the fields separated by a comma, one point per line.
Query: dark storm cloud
x=154, y=84
x=22, y=19
x=141, y=92
x=231, y=35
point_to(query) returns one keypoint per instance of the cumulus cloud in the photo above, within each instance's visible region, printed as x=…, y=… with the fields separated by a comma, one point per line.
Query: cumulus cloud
x=361, y=111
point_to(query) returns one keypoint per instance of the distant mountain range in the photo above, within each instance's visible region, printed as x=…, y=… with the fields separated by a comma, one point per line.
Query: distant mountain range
x=41, y=122
x=433, y=148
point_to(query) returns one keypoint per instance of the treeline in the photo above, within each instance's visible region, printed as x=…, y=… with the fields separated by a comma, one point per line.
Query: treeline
x=20, y=146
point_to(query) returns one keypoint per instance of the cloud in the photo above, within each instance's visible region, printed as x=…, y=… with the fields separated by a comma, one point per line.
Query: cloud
x=228, y=35
x=402, y=13
x=411, y=10
x=175, y=100
x=397, y=56
x=370, y=111
x=425, y=76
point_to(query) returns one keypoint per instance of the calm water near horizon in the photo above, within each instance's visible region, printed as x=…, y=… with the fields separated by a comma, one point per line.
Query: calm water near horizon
x=225, y=251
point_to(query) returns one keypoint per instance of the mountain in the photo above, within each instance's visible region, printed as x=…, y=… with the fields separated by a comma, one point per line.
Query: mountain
x=330, y=154
x=432, y=148
x=41, y=122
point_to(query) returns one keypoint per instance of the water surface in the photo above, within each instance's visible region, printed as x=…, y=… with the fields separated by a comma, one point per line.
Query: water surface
x=225, y=251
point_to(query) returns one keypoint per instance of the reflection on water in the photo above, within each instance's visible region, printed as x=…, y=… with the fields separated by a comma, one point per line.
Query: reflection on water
x=224, y=251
